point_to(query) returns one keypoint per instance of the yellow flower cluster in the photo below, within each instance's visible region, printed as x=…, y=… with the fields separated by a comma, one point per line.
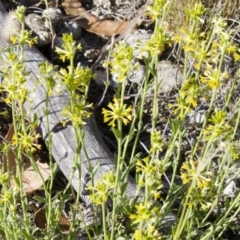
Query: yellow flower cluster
x=118, y=111
x=24, y=37
x=146, y=216
x=78, y=115
x=156, y=45
x=121, y=62
x=101, y=191
x=150, y=176
x=218, y=129
x=190, y=171
x=26, y=141
x=212, y=78
x=158, y=7
x=156, y=141
x=69, y=48
x=187, y=99
x=200, y=183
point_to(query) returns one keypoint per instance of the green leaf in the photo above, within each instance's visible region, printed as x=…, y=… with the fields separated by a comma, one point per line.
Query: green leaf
x=35, y=118
x=66, y=197
x=175, y=125
x=16, y=180
x=55, y=168
x=117, y=133
x=40, y=199
x=25, y=234
x=95, y=168
x=2, y=233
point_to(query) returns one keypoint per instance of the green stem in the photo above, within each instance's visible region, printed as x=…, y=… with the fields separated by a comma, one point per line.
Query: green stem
x=104, y=221
x=117, y=189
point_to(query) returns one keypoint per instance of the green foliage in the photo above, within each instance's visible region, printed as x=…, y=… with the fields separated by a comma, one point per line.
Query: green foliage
x=190, y=187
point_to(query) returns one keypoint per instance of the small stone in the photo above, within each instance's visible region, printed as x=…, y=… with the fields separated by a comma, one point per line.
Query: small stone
x=136, y=76
x=169, y=76
x=74, y=28
x=37, y=24
x=230, y=190
x=195, y=117
x=54, y=14
x=137, y=39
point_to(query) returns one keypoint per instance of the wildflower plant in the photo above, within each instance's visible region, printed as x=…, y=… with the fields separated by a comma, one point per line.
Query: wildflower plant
x=190, y=183
x=24, y=139
x=76, y=80
x=121, y=62
x=25, y=36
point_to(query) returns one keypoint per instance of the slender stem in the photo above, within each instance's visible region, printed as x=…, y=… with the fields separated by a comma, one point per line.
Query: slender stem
x=104, y=221
x=117, y=189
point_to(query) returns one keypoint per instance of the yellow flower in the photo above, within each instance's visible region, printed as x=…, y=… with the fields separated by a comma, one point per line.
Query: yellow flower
x=137, y=235
x=212, y=78
x=149, y=234
x=118, y=111
x=156, y=141
x=6, y=196
x=26, y=141
x=143, y=213
x=78, y=114
x=4, y=177
x=218, y=128
x=156, y=44
x=191, y=171
x=99, y=193
x=156, y=195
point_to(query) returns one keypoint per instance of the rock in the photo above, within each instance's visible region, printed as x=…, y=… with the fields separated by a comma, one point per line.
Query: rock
x=230, y=190
x=54, y=14
x=137, y=75
x=195, y=117
x=38, y=25
x=169, y=76
x=74, y=28
x=135, y=40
